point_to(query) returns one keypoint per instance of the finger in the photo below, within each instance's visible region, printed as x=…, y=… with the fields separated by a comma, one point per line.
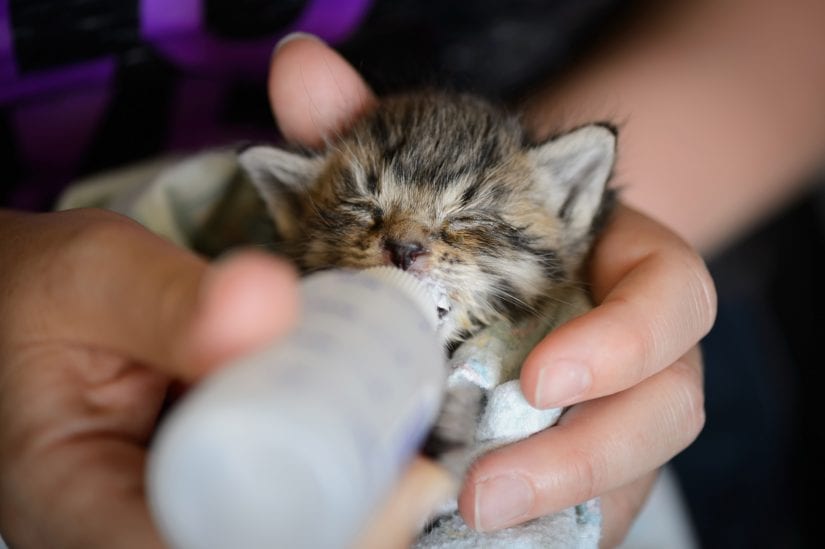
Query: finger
x=597, y=446
x=246, y=301
x=621, y=506
x=103, y=280
x=655, y=301
x=414, y=498
x=314, y=92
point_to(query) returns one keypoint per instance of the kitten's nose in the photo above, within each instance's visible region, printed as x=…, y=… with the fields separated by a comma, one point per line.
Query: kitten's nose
x=404, y=254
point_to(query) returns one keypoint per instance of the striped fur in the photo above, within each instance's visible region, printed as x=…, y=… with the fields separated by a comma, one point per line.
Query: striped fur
x=502, y=225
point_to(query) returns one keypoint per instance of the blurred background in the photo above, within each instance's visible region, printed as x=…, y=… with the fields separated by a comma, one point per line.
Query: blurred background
x=88, y=85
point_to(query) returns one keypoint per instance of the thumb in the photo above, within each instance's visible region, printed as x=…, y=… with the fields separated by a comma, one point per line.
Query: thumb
x=246, y=301
x=96, y=278
x=313, y=91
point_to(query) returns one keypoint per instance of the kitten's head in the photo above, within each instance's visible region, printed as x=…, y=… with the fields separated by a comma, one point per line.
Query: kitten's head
x=446, y=188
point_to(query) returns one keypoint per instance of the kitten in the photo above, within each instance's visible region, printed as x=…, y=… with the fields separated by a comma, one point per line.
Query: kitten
x=452, y=190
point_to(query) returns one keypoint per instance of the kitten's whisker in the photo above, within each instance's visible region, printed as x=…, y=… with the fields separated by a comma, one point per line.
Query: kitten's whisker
x=506, y=295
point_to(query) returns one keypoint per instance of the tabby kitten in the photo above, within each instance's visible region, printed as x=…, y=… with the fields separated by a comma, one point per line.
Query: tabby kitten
x=450, y=189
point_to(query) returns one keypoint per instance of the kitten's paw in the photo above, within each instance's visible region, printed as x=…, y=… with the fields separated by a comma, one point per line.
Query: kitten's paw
x=452, y=440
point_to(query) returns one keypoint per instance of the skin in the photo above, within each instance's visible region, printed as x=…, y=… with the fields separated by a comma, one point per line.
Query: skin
x=715, y=99
x=103, y=353
x=645, y=400
x=718, y=99
x=91, y=333
x=85, y=366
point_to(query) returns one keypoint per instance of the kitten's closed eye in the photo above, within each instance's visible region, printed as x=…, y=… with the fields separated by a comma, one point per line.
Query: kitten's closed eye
x=365, y=212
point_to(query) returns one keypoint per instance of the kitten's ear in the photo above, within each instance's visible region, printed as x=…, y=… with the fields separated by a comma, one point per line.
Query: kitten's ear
x=280, y=177
x=274, y=171
x=573, y=172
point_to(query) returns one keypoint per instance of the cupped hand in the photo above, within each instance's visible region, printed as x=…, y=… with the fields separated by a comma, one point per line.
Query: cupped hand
x=97, y=315
x=631, y=366
x=633, y=370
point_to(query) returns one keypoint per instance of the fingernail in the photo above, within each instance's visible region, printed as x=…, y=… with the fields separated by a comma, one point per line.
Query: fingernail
x=294, y=36
x=560, y=383
x=500, y=501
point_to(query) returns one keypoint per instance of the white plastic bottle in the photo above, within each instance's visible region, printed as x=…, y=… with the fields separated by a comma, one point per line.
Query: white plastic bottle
x=295, y=446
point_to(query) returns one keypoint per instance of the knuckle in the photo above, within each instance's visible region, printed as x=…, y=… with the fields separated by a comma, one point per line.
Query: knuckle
x=81, y=241
x=688, y=399
x=585, y=475
x=87, y=231
x=703, y=290
x=637, y=348
x=54, y=247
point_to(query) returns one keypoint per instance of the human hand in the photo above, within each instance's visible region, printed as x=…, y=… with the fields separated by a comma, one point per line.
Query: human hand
x=633, y=370
x=96, y=316
x=638, y=348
